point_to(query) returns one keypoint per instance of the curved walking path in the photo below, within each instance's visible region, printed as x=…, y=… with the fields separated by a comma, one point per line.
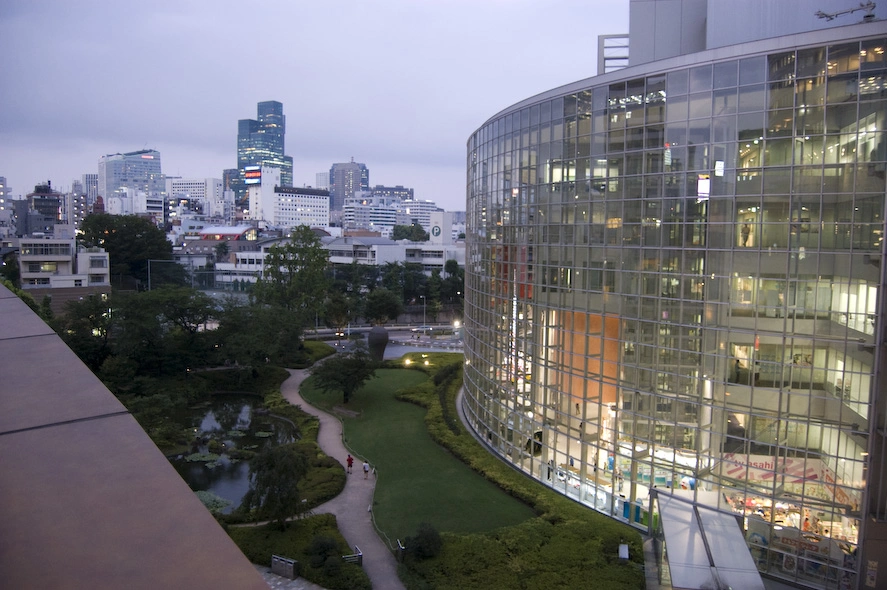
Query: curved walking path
x=353, y=507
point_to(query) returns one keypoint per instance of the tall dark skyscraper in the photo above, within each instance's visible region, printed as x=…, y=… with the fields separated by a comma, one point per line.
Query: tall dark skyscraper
x=260, y=142
x=345, y=179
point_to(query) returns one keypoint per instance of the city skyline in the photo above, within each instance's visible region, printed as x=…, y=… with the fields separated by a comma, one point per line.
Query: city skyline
x=168, y=76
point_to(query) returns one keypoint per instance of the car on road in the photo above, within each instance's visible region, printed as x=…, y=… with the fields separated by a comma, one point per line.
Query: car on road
x=422, y=329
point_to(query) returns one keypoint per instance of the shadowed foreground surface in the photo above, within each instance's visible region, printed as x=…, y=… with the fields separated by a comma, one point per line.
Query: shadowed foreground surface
x=86, y=498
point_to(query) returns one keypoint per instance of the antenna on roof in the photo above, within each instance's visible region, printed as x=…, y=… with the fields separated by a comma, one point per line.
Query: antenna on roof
x=869, y=7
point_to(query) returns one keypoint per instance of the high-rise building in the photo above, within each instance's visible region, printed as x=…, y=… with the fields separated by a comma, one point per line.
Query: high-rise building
x=345, y=179
x=90, y=183
x=139, y=171
x=398, y=192
x=322, y=180
x=260, y=142
x=675, y=305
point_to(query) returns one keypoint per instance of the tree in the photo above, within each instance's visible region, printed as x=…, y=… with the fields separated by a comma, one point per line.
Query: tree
x=381, y=306
x=340, y=310
x=221, y=251
x=407, y=280
x=346, y=372
x=253, y=333
x=9, y=270
x=86, y=329
x=353, y=279
x=295, y=276
x=131, y=241
x=274, y=482
x=415, y=282
x=182, y=307
x=413, y=232
x=454, y=284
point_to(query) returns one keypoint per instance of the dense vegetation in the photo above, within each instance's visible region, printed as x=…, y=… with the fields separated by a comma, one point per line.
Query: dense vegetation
x=315, y=543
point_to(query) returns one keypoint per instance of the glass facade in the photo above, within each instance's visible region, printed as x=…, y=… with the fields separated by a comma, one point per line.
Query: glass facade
x=674, y=279
x=260, y=142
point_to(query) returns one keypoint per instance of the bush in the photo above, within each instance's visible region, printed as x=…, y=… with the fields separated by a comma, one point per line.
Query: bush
x=259, y=543
x=321, y=548
x=426, y=544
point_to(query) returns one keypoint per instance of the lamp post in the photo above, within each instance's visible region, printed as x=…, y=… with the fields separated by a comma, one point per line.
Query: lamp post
x=424, y=306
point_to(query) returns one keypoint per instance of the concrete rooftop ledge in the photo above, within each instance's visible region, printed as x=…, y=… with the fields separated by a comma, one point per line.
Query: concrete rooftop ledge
x=86, y=499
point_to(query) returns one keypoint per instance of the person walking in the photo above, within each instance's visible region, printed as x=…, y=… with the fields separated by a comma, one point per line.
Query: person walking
x=350, y=462
x=366, y=469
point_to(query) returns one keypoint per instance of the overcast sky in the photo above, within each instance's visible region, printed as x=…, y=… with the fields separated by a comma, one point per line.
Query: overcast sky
x=396, y=84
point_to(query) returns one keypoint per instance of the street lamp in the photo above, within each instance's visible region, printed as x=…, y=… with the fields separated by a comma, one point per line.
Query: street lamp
x=424, y=306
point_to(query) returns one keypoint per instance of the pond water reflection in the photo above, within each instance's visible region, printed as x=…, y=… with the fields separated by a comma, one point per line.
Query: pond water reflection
x=223, y=428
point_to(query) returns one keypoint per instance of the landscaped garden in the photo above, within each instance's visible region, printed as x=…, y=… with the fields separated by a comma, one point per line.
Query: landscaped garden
x=550, y=542
x=418, y=480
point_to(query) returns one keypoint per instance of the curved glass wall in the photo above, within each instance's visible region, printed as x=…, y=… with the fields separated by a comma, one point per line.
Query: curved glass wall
x=672, y=281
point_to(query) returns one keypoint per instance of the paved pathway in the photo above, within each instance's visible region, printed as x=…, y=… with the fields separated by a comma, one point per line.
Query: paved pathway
x=353, y=507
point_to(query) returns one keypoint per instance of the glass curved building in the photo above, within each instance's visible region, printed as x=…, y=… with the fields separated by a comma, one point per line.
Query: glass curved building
x=675, y=285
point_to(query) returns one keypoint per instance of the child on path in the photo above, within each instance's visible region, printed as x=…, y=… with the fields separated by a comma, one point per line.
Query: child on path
x=366, y=469
x=350, y=462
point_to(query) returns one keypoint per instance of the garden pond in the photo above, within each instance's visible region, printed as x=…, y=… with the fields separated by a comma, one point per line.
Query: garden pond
x=228, y=429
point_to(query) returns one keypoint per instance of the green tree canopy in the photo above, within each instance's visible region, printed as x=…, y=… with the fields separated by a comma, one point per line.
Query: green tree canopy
x=131, y=241
x=453, y=286
x=413, y=232
x=295, y=276
x=407, y=280
x=253, y=333
x=86, y=329
x=354, y=279
x=340, y=310
x=274, y=482
x=381, y=306
x=345, y=372
x=9, y=269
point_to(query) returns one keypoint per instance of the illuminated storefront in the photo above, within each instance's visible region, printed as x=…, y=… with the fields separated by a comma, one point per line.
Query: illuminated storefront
x=674, y=279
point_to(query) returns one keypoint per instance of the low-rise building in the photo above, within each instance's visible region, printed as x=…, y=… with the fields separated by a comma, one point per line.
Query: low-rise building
x=62, y=269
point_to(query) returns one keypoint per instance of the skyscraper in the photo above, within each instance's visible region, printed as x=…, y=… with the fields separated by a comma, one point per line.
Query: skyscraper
x=139, y=171
x=260, y=142
x=675, y=308
x=90, y=183
x=346, y=179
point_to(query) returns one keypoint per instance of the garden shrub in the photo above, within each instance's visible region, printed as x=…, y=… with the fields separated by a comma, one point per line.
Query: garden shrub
x=322, y=547
x=426, y=543
x=259, y=543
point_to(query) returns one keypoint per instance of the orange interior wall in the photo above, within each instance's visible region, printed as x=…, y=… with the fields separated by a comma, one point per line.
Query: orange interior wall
x=591, y=351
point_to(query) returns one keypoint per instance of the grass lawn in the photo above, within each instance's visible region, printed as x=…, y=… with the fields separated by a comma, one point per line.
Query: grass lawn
x=419, y=481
